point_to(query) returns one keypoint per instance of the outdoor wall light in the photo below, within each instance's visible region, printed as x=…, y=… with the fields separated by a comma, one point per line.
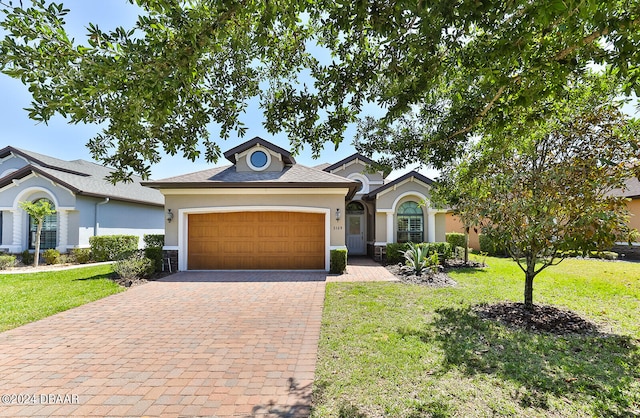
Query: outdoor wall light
x=169, y=215
x=338, y=214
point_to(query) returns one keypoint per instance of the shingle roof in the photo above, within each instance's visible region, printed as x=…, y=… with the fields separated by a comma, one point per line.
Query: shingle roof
x=631, y=190
x=82, y=177
x=227, y=177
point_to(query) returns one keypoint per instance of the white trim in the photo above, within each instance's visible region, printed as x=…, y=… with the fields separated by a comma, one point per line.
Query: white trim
x=338, y=247
x=354, y=161
x=422, y=197
x=257, y=191
x=363, y=179
x=378, y=244
x=409, y=180
x=183, y=225
x=384, y=210
x=171, y=248
x=391, y=237
x=253, y=167
x=633, y=244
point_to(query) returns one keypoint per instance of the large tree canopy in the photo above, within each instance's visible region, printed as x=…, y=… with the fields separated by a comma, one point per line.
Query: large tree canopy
x=441, y=71
x=543, y=189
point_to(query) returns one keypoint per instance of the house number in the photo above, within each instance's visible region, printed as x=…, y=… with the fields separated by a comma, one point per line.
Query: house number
x=337, y=228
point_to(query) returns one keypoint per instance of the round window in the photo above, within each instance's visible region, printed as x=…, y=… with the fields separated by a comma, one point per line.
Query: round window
x=258, y=159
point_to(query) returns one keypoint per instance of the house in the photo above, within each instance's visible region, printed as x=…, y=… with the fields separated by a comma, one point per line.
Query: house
x=265, y=211
x=86, y=204
x=632, y=192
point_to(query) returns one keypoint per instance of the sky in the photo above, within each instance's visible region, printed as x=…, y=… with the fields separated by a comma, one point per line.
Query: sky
x=68, y=142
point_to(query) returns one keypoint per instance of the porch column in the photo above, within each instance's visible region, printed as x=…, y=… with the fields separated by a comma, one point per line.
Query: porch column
x=431, y=225
x=63, y=229
x=390, y=236
x=17, y=229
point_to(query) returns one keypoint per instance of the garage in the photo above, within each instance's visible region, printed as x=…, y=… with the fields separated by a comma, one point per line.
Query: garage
x=273, y=240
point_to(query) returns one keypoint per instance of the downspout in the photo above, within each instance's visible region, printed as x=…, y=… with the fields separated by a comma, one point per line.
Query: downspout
x=97, y=224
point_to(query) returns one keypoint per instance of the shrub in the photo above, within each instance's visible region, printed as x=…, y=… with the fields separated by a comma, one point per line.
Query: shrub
x=487, y=245
x=154, y=254
x=134, y=267
x=113, y=247
x=7, y=261
x=81, y=255
x=338, y=261
x=456, y=239
x=415, y=257
x=443, y=249
x=26, y=257
x=395, y=251
x=51, y=256
x=153, y=240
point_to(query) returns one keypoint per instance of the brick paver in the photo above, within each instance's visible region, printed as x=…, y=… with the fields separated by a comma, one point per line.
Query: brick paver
x=192, y=344
x=363, y=269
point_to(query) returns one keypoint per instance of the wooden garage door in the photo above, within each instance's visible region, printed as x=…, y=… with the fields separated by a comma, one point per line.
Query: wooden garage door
x=256, y=240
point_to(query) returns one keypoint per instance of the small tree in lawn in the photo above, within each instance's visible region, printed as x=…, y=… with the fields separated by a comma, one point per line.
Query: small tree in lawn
x=38, y=210
x=541, y=185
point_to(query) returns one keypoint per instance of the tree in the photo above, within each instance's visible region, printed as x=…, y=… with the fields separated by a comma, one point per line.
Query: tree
x=441, y=72
x=542, y=189
x=38, y=210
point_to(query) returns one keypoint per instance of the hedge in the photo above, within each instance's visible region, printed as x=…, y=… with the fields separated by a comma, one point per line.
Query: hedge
x=113, y=247
x=456, y=239
x=153, y=240
x=338, y=261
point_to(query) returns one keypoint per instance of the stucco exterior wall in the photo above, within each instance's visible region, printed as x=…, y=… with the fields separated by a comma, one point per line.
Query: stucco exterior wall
x=288, y=199
x=11, y=164
x=116, y=218
x=275, y=165
x=441, y=227
x=415, y=189
x=33, y=188
x=453, y=224
x=358, y=168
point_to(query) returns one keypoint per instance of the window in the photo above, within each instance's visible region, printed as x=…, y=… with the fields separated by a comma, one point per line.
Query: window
x=258, y=160
x=355, y=208
x=49, y=234
x=410, y=223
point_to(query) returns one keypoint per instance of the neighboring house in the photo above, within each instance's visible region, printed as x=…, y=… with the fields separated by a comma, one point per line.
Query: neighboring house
x=265, y=211
x=631, y=192
x=85, y=203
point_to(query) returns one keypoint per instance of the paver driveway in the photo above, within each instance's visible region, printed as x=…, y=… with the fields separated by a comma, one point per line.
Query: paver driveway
x=192, y=344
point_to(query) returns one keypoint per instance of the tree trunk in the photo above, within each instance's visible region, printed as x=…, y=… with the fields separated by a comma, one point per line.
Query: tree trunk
x=36, y=255
x=466, y=245
x=528, y=285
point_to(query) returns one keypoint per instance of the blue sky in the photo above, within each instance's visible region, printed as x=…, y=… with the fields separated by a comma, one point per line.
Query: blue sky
x=65, y=141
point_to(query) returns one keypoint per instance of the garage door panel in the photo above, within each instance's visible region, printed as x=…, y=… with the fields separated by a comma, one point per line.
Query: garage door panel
x=256, y=240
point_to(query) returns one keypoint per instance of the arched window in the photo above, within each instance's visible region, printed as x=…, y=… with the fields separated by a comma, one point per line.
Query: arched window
x=49, y=234
x=355, y=208
x=410, y=223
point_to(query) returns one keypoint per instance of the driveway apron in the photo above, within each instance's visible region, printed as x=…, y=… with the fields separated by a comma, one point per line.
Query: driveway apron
x=191, y=344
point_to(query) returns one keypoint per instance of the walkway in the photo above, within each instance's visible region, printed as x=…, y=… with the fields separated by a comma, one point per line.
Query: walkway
x=216, y=344
x=192, y=344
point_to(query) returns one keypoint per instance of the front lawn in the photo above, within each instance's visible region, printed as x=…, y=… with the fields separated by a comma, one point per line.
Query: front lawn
x=398, y=350
x=26, y=298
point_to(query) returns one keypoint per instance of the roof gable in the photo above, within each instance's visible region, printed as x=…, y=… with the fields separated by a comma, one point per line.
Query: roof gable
x=286, y=155
x=352, y=159
x=412, y=174
x=81, y=177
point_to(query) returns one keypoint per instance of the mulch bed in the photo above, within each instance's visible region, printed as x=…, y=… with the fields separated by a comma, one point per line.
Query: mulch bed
x=542, y=318
x=438, y=279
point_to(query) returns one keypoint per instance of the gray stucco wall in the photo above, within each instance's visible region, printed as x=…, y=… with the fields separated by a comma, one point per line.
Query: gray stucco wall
x=11, y=163
x=358, y=168
x=275, y=165
x=115, y=218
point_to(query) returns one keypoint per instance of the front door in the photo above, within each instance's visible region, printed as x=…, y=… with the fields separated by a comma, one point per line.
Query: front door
x=355, y=234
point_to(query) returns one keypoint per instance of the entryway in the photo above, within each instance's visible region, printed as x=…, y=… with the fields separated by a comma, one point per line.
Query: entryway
x=355, y=234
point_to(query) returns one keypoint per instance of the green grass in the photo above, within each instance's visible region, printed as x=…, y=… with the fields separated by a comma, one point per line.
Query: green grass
x=397, y=350
x=26, y=298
